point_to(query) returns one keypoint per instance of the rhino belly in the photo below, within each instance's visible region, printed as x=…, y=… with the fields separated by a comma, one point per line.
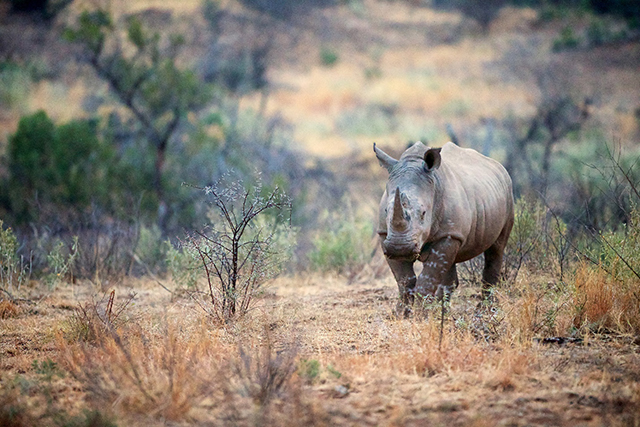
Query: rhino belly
x=484, y=232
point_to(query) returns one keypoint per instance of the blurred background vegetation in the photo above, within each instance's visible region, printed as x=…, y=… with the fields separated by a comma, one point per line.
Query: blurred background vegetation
x=108, y=108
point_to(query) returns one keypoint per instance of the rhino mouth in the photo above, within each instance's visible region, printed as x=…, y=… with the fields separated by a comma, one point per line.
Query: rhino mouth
x=400, y=251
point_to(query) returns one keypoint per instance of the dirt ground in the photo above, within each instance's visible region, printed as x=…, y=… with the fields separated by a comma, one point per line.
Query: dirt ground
x=371, y=367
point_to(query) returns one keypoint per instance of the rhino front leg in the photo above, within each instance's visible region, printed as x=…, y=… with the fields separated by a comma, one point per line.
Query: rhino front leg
x=406, y=278
x=439, y=275
x=450, y=283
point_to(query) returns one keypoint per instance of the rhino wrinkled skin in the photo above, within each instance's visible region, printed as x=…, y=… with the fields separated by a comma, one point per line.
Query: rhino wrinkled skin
x=442, y=206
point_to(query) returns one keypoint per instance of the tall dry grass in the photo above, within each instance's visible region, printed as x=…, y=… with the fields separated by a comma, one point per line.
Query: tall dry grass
x=179, y=368
x=604, y=304
x=159, y=373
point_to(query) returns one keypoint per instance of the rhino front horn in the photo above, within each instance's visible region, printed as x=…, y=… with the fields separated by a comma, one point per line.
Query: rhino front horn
x=398, y=221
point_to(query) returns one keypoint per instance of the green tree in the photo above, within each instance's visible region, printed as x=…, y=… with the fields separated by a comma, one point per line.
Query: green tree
x=65, y=168
x=143, y=74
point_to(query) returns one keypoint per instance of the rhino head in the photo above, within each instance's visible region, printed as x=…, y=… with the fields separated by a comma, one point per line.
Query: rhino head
x=407, y=211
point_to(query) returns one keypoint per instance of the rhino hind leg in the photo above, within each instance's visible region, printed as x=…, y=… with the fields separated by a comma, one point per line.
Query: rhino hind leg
x=493, y=262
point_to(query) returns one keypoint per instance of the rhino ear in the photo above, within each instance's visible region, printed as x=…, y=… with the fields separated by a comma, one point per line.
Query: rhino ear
x=385, y=160
x=432, y=159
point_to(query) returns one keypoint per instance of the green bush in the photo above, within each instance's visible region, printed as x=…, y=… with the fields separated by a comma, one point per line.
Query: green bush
x=183, y=266
x=328, y=57
x=12, y=272
x=567, y=39
x=150, y=248
x=15, y=83
x=618, y=252
x=60, y=262
x=62, y=168
x=343, y=245
x=309, y=370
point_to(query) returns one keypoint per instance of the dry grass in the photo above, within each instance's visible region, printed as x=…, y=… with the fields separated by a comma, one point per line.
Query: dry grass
x=604, y=304
x=362, y=365
x=9, y=309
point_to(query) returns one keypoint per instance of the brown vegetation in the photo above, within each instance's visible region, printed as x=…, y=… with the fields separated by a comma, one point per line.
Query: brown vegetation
x=319, y=351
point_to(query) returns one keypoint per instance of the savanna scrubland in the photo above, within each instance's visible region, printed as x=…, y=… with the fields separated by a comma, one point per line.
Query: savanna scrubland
x=188, y=197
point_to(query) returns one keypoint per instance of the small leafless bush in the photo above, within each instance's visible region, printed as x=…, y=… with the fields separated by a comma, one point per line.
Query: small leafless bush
x=92, y=320
x=244, y=246
x=266, y=373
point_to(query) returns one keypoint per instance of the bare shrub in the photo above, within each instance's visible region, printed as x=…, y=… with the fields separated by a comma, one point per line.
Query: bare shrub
x=92, y=320
x=538, y=241
x=180, y=369
x=258, y=383
x=245, y=245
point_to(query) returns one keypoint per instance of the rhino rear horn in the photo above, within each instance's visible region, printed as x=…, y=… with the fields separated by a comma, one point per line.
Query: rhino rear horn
x=385, y=160
x=398, y=221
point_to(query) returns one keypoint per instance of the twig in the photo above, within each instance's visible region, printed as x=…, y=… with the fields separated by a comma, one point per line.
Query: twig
x=137, y=259
x=441, y=322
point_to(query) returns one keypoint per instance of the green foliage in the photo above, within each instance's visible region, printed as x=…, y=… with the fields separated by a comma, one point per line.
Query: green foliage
x=15, y=83
x=92, y=418
x=12, y=272
x=91, y=31
x=183, y=266
x=343, y=245
x=144, y=74
x=309, y=370
x=60, y=261
x=619, y=251
x=47, y=369
x=566, y=40
x=328, y=57
x=333, y=371
x=64, y=168
x=150, y=248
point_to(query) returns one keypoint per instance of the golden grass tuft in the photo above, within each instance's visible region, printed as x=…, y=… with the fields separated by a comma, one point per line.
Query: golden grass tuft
x=9, y=309
x=604, y=304
x=181, y=369
x=158, y=372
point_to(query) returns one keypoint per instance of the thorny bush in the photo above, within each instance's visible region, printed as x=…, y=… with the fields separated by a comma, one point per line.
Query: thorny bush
x=246, y=244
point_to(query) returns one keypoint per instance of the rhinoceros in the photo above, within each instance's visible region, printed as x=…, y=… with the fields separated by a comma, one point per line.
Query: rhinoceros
x=442, y=206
